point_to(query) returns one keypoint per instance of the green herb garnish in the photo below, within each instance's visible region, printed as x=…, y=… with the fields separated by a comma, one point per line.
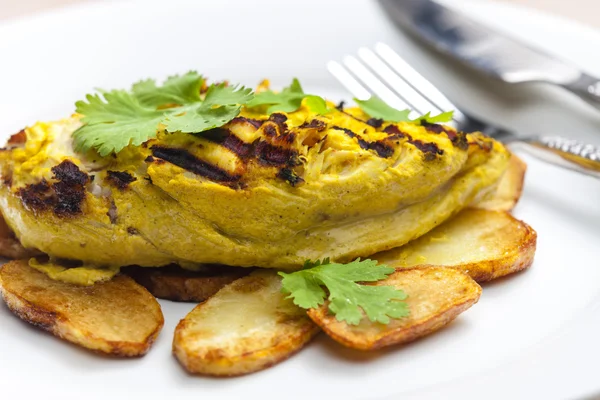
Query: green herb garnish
x=288, y=100
x=377, y=108
x=114, y=119
x=346, y=296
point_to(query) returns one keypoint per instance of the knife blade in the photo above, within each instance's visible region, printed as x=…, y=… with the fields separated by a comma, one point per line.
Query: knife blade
x=487, y=50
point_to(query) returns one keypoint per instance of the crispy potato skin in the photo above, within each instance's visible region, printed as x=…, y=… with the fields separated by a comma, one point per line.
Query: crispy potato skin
x=436, y=296
x=509, y=189
x=176, y=284
x=485, y=244
x=118, y=317
x=267, y=329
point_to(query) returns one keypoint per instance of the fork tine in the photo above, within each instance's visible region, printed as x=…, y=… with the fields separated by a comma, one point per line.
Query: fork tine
x=415, y=99
x=378, y=87
x=416, y=80
x=347, y=80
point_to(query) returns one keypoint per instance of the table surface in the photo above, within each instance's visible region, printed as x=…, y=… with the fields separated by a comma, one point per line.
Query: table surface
x=585, y=11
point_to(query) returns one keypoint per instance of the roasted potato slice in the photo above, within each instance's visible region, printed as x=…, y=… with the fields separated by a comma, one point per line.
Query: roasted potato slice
x=484, y=244
x=509, y=189
x=435, y=297
x=175, y=283
x=117, y=317
x=10, y=247
x=247, y=326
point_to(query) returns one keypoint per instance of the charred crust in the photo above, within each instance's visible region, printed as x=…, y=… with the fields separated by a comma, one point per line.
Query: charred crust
x=184, y=159
x=375, y=122
x=288, y=175
x=64, y=197
x=340, y=106
x=68, y=198
x=132, y=231
x=37, y=196
x=314, y=124
x=69, y=173
x=120, y=179
x=149, y=159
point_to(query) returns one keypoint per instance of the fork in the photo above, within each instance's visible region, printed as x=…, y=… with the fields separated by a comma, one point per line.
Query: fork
x=392, y=79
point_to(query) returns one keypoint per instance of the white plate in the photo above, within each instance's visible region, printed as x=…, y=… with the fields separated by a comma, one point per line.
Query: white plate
x=533, y=335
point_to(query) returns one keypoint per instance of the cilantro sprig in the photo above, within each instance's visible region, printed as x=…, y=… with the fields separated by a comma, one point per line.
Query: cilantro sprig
x=346, y=296
x=114, y=119
x=288, y=100
x=377, y=108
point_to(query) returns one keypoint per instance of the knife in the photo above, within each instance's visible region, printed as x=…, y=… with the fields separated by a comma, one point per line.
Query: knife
x=487, y=50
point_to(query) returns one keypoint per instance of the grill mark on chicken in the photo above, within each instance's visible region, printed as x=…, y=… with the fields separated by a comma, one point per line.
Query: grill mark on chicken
x=231, y=142
x=65, y=197
x=382, y=149
x=184, y=159
x=375, y=122
x=395, y=133
x=435, y=128
x=316, y=124
x=458, y=139
x=254, y=122
x=120, y=179
x=268, y=154
x=431, y=150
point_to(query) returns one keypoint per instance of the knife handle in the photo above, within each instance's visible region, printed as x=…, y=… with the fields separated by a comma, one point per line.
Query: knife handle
x=587, y=87
x=567, y=153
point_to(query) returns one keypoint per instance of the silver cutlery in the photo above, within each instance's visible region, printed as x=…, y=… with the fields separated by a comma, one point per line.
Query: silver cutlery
x=487, y=50
x=384, y=73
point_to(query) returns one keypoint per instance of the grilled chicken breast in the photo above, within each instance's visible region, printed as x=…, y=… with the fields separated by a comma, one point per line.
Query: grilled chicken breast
x=264, y=190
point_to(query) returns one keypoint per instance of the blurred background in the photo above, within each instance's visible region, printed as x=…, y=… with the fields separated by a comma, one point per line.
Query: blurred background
x=585, y=11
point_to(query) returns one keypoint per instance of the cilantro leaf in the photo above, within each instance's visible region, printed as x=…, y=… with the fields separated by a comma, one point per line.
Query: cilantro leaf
x=176, y=89
x=221, y=105
x=112, y=123
x=114, y=119
x=377, y=108
x=346, y=296
x=443, y=117
x=288, y=100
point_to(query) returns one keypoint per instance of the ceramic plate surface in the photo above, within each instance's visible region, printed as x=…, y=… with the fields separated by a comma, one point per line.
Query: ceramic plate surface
x=533, y=335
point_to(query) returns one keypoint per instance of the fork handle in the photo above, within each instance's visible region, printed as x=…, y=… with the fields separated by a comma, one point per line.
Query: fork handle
x=563, y=152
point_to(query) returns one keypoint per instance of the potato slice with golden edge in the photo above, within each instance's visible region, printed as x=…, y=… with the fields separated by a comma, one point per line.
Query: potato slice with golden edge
x=117, y=317
x=247, y=326
x=484, y=244
x=175, y=283
x=10, y=247
x=435, y=297
x=509, y=189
